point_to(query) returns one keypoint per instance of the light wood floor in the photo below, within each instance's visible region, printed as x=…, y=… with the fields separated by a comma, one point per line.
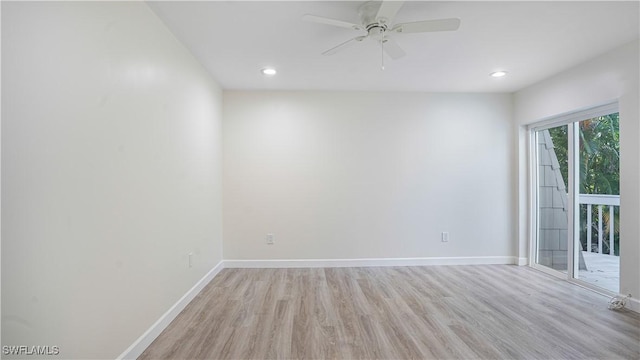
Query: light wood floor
x=434, y=312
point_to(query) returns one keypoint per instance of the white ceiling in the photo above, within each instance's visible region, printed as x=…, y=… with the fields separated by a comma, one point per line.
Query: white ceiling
x=531, y=40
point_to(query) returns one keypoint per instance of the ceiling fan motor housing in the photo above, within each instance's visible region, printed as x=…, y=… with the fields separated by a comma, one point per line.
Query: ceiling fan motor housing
x=376, y=32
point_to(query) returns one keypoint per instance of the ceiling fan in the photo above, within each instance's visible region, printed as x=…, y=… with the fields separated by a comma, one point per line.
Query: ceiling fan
x=376, y=18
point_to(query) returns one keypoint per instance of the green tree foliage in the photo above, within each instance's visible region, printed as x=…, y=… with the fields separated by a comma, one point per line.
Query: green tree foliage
x=599, y=146
x=600, y=155
x=561, y=147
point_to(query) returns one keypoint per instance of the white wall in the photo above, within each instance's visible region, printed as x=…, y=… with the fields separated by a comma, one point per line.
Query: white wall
x=348, y=175
x=612, y=76
x=111, y=160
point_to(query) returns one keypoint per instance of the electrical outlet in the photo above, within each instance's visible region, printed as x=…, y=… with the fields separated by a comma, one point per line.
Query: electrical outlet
x=270, y=239
x=445, y=236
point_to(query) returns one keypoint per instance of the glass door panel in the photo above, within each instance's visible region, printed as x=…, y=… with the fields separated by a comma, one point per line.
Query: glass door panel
x=552, y=162
x=598, y=152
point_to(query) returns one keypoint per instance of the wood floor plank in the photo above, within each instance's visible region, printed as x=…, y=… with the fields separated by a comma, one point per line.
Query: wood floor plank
x=434, y=312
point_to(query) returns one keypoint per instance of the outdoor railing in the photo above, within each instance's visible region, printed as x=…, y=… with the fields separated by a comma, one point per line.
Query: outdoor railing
x=599, y=201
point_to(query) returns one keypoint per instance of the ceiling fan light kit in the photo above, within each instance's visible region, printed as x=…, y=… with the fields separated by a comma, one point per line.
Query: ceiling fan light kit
x=377, y=19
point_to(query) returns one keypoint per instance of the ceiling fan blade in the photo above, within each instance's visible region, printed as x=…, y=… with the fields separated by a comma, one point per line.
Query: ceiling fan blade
x=344, y=45
x=428, y=26
x=328, y=21
x=388, y=10
x=393, y=49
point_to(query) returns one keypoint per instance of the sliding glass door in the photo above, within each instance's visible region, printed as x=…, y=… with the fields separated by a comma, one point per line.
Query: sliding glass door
x=577, y=199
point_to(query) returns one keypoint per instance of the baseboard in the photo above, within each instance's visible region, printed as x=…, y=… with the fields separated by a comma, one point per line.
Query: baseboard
x=316, y=263
x=523, y=261
x=137, y=348
x=633, y=305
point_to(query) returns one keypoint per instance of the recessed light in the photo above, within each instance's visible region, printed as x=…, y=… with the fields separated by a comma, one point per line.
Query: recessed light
x=500, y=73
x=268, y=71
